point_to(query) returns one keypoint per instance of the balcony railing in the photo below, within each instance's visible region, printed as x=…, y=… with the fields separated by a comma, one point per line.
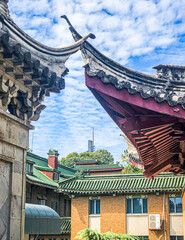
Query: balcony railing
x=65, y=224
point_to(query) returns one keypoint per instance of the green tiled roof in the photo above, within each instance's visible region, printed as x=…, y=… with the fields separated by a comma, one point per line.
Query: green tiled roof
x=40, y=161
x=40, y=178
x=66, y=225
x=87, y=161
x=66, y=170
x=47, y=169
x=98, y=167
x=123, y=184
x=41, y=164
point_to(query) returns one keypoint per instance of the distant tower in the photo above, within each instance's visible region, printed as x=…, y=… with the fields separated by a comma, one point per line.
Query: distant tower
x=91, y=147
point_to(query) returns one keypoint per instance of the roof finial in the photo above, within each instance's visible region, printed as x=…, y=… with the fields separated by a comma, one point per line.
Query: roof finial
x=75, y=34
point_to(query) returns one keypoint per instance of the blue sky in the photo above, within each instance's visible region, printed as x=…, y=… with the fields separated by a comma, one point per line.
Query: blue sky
x=138, y=34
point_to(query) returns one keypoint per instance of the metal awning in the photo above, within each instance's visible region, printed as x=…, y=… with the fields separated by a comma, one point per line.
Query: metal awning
x=40, y=219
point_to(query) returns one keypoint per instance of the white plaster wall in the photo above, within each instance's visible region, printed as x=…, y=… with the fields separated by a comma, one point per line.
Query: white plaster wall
x=94, y=222
x=176, y=225
x=137, y=224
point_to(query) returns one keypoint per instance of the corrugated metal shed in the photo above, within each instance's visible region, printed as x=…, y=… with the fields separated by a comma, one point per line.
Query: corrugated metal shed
x=40, y=219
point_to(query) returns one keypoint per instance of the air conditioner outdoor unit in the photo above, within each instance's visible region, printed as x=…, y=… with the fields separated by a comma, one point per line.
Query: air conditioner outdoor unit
x=154, y=222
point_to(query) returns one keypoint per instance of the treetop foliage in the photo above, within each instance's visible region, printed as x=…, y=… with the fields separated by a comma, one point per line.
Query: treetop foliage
x=129, y=168
x=89, y=234
x=100, y=155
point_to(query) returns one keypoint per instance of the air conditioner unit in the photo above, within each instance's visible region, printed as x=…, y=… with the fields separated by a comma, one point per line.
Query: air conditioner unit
x=154, y=222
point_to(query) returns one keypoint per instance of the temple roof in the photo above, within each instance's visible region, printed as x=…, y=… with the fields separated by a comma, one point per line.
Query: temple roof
x=29, y=70
x=99, y=168
x=125, y=183
x=168, y=84
x=149, y=109
x=87, y=162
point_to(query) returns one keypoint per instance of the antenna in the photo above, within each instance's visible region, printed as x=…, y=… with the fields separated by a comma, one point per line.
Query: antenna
x=32, y=141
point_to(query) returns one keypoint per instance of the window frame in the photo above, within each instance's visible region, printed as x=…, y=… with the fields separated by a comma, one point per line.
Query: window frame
x=95, y=207
x=175, y=207
x=29, y=168
x=176, y=237
x=55, y=176
x=132, y=206
x=42, y=202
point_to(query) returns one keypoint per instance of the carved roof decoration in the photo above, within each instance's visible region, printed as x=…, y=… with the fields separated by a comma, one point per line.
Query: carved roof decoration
x=29, y=70
x=168, y=84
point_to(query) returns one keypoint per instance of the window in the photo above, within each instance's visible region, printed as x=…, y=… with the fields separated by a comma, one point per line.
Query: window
x=69, y=208
x=176, y=237
x=29, y=168
x=51, y=238
x=40, y=238
x=137, y=205
x=42, y=201
x=28, y=197
x=175, y=205
x=65, y=207
x=64, y=239
x=52, y=204
x=55, y=176
x=56, y=206
x=94, y=207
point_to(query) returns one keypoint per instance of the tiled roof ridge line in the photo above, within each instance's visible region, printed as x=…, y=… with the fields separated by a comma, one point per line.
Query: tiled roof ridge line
x=37, y=156
x=68, y=180
x=39, y=46
x=40, y=184
x=66, y=167
x=97, y=53
x=125, y=176
x=134, y=81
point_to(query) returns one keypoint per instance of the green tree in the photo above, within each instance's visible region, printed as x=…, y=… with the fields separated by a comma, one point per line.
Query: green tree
x=103, y=156
x=129, y=168
x=86, y=156
x=89, y=234
x=70, y=159
x=30, y=150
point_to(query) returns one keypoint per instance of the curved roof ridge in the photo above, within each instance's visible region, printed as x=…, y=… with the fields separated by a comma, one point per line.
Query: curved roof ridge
x=37, y=156
x=37, y=45
x=167, y=84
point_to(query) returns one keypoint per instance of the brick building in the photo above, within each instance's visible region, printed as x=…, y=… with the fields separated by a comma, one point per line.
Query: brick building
x=129, y=204
x=42, y=182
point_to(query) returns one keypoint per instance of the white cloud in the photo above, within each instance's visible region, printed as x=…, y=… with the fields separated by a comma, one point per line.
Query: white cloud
x=128, y=31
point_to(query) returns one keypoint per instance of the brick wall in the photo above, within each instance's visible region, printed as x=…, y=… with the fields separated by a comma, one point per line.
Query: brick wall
x=113, y=214
x=57, y=237
x=183, y=210
x=79, y=215
x=48, y=174
x=155, y=206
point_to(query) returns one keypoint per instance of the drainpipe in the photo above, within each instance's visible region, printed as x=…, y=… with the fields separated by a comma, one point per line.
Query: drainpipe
x=164, y=213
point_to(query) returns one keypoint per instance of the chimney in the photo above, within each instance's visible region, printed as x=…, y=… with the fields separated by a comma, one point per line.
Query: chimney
x=53, y=158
